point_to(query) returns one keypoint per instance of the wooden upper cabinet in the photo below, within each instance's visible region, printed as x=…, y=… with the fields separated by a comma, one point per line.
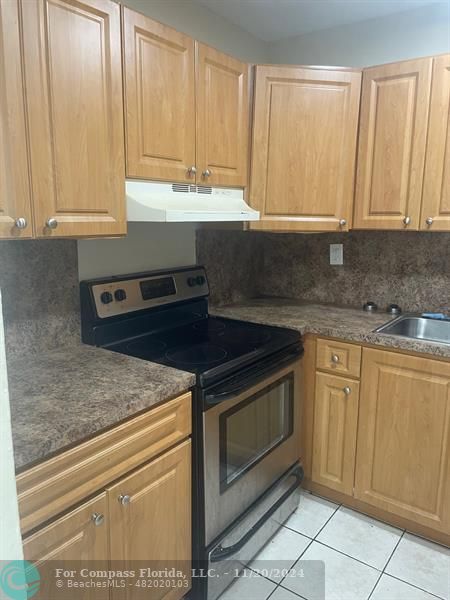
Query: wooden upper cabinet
x=392, y=138
x=159, y=100
x=79, y=537
x=304, y=145
x=436, y=189
x=403, y=448
x=15, y=200
x=222, y=118
x=73, y=73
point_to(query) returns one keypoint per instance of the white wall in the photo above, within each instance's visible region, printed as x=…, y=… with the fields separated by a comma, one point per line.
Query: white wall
x=154, y=246
x=147, y=246
x=203, y=25
x=420, y=32
x=10, y=539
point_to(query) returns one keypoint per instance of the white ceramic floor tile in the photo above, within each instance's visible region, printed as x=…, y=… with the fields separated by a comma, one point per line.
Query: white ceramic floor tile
x=345, y=578
x=389, y=588
x=283, y=594
x=423, y=564
x=280, y=554
x=249, y=586
x=359, y=536
x=311, y=515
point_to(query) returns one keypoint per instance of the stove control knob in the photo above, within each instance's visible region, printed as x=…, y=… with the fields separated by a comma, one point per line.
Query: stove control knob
x=201, y=280
x=192, y=281
x=106, y=297
x=120, y=295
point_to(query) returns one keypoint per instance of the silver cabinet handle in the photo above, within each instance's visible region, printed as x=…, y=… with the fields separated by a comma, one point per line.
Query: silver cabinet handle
x=335, y=359
x=343, y=222
x=192, y=170
x=347, y=390
x=124, y=499
x=98, y=519
x=21, y=223
x=52, y=223
x=207, y=173
x=407, y=220
x=429, y=220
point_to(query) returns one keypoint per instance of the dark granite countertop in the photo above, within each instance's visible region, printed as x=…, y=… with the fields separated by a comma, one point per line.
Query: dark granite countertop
x=328, y=320
x=62, y=397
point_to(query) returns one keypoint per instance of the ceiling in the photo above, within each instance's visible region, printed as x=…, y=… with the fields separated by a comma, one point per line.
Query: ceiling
x=272, y=20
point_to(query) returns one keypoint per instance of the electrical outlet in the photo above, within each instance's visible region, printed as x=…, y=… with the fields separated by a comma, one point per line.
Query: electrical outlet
x=336, y=254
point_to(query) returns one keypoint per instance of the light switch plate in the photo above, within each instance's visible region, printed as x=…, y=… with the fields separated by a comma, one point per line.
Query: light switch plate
x=336, y=254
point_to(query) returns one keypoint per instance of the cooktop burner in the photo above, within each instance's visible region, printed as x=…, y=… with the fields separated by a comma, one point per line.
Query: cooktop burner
x=209, y=346
x=162, y=317
x=197, y=354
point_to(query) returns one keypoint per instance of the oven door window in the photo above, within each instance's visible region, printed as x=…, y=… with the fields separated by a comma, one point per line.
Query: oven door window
x=255, y=427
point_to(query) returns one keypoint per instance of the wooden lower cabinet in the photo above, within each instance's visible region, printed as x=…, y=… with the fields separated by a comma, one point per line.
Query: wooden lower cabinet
x=151, y=521
x=78, y=537
x=335, y=425
x=141, y=522
x=403, y=457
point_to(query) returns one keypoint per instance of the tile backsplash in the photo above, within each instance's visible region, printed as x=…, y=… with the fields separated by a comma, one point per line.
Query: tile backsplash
x=39, y=284
x=408, y=268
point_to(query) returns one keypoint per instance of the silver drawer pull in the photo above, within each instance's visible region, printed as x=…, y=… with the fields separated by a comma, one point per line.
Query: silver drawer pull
x=124, y=499
x=21, y=223
x=347, y=390
x=335, y=359
x=98, y=519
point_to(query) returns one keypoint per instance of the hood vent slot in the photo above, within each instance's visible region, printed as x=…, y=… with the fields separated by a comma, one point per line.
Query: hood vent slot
x=185, y=202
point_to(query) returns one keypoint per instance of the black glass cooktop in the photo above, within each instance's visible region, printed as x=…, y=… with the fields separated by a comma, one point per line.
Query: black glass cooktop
x=209, y=347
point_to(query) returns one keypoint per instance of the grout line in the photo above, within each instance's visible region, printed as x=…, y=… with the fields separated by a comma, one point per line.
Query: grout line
x=414, y=586
x=348, y=556
x=392, y=553
x=283, y=578
x=326, y=523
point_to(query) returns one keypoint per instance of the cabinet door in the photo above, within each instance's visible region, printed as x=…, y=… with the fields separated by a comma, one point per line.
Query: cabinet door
x=335, y=423
x=436, y=188
x=72, y=542
x=74, y=96
x=222, y=118
x=304, y=144
x=402, y=463
x=159, y=100
x=14, y=175
x=153, y=523
x=392, y=138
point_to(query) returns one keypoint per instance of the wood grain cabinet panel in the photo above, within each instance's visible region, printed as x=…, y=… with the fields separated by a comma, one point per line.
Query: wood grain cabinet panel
x=222, y=118
x=15, y=200
x=339, y=358
x=436, y=188
x=335, y=424
x=403, y=457
x=159, y=100
x=71, y=542
x=392, y=138
x=304, y=146
x=72, y=53
x=154, y=526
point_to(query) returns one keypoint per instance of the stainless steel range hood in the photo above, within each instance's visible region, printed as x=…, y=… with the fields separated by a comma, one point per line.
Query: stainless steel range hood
x=179, y=202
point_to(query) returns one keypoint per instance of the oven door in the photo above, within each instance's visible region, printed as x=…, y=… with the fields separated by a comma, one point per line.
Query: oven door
x=251, y=438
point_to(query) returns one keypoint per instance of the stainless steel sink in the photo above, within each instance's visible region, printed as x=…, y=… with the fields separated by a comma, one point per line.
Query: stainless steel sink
x=419, y=328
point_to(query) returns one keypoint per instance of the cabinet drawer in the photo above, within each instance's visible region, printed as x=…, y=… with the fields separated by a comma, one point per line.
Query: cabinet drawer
x=338, y=357
x=60, y=482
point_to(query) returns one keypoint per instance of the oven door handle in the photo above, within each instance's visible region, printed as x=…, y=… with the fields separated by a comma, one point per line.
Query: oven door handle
x=221, y=553
x=248, y=382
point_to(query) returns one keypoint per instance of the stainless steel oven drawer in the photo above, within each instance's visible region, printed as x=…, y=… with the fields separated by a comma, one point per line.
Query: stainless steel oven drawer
x=249, y=533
